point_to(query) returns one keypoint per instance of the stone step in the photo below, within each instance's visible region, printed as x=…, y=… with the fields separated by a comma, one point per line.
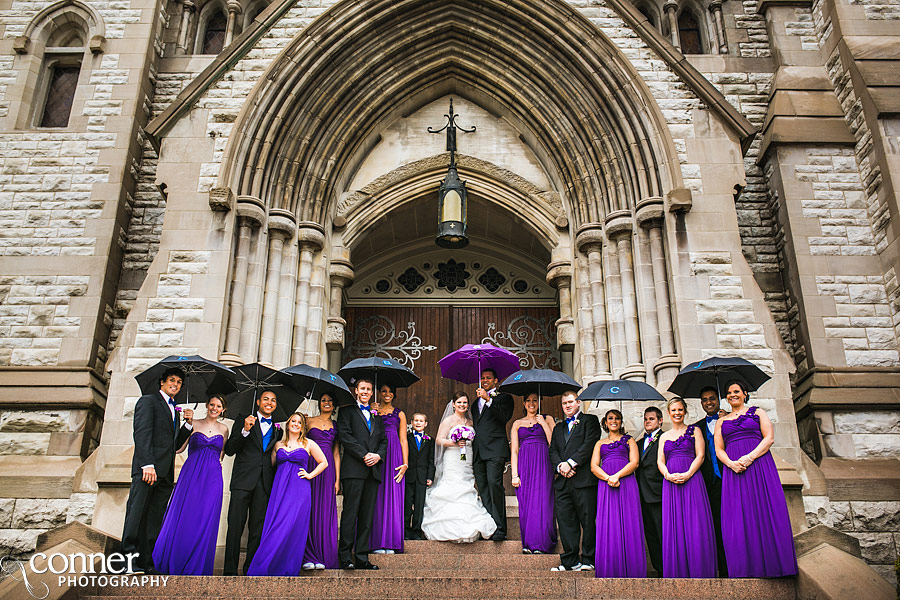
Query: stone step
x=414, y=561
x=365, y=586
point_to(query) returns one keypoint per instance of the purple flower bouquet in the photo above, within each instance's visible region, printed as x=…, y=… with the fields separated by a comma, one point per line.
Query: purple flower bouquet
x=462, y=432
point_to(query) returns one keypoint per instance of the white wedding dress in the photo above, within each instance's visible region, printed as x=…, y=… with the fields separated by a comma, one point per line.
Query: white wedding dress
x=453, y=511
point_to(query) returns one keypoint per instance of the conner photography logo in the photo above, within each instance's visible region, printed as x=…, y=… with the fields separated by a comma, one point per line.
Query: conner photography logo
x=76, y=570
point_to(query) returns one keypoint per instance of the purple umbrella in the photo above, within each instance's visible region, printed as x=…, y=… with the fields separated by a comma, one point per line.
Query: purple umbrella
x=465, y=365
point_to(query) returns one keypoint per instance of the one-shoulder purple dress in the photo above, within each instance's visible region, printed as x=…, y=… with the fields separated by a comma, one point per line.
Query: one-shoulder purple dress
x=187, y=541
x=688, y=540
x=620, y=528
x=287, y=518
x=321, y=545
x=387, y=523
x=756, y=528
x=535, y=491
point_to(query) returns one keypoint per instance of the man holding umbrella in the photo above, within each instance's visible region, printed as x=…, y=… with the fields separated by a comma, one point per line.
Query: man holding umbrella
x=490, y=413
x=157, y=434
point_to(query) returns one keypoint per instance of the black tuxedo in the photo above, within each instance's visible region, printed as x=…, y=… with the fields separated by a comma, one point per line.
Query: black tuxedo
x=359, y=482
x=576, y=496
x=714, y=491
x=251, y=484
x=490, y=450
x=421, y=470
x=650, y=482
x=157, y=435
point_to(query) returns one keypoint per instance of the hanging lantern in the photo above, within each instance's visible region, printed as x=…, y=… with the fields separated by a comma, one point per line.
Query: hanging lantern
x=452, y=212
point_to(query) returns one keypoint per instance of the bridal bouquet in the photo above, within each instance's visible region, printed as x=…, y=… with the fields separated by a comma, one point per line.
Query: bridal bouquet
x=462, y=432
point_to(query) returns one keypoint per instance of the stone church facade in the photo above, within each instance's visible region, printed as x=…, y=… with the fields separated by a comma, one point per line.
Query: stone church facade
x=671, y=180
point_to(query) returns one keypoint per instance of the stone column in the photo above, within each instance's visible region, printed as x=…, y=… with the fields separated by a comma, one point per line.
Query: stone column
x=651, y=217
x=188, y=8
x=284, y=315
x=590, y=241
x=585, y=320
x=647, y=292
x=715, y=8
x=281, y=228
x=671, y=10
x=559, y=275
x=313, y=354
x=341, y=276
x=311, y=239
x=253, y=295
x=234, y=10
x=618, y=228
x=249, y=216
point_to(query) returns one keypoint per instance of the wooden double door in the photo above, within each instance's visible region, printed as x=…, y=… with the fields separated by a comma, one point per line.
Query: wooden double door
x=418, y=336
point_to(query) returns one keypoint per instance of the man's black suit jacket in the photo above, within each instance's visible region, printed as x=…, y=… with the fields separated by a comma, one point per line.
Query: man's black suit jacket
x=155, y=436
x=421, y=462
x=650, y=480
x=577, y=445
x=490, y=427
x=358, y=440
x=251, y=460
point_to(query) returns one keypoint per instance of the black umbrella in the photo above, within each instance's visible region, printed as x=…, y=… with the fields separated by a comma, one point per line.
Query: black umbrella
x=252, y=381
x=380, y=371
x=542, y=381
x=202, y=378
x=312, y=382
x=715, y=372
x=621, y=389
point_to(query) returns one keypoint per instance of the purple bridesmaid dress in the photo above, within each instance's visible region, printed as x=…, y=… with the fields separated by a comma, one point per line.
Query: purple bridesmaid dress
x=284, y=532
x=535, y=492
x=756, y=528
x=187, y=541
x=689, y=540
x=387, y=523
x=620, y=528
x=321, y=545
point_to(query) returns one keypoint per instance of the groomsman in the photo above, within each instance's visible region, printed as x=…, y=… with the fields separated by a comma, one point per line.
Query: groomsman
x=418, y=477
x=361, y=432
x=650, y=482
x=490, y=412
x=251, y=442
x=157, y=434
x=711, y=469
x=571, y=446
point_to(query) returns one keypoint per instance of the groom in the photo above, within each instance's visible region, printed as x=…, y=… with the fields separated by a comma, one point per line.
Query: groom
x=361, y=432
x=490, y=412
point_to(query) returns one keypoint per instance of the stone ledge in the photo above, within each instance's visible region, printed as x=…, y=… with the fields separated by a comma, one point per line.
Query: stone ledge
x=96, y=540
x=805, y=130
x=37, y=476
x=865, y=480
x=806, y=541
x=765, y=5
x=51, y=387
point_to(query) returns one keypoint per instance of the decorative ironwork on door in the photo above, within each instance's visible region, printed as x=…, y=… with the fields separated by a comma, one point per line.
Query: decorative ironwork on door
x=533, y=340
x=379, y=336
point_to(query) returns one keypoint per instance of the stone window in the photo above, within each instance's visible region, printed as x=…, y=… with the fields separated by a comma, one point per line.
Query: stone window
x=689, y=33
x=650, y=13
x=213, y=37
x=63, y=81
x=63, y=55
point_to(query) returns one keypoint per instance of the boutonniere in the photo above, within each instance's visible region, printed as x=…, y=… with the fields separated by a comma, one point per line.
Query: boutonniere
x=576, y=421
x=426, y=437
x=177, y=409
x=277, y=425
x=494, y=393
x=374, y=412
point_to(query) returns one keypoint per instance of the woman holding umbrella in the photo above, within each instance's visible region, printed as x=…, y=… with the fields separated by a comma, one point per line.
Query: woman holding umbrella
x=387, y=525
x=757, y=531
x=532, y=476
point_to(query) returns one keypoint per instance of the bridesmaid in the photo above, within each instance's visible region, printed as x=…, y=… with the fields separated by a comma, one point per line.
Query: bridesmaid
x=532, y=477
x=757, y=529
x=688, y=540
x=321, y=544
x=187, y=541
x=387, y=524
x=620, y=528
x=287, y=517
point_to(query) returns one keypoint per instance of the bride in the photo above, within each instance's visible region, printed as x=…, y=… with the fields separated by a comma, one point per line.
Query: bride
x=453, y=511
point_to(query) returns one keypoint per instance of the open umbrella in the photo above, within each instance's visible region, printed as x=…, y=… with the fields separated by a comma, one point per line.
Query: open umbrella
x=202, y=378
x=715, y=372
x=252, y=381
x=312, y=382
x=543, y=381
x=618, y=390
x=380, y=371
x=466, y=363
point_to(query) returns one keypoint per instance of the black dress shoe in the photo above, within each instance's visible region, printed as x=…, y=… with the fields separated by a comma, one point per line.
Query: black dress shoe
x=348, y=566
x=367, y=566
x=498, y=537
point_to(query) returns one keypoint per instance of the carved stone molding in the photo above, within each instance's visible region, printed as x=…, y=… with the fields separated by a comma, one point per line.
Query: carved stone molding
x=619, y=223
x=251, y=208
x=283, y=221
x=221, y=199
x=650, y=211
x=589, y=235
x=311, y=234
x=680, y=200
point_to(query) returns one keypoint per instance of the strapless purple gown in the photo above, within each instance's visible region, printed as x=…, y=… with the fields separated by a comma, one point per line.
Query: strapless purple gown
x=321, y=545
x=535, y=492
x=284, y=532
x=688, y=540
x=756, y=528
x=620, y=528
x=187, y=541
x=387, y=523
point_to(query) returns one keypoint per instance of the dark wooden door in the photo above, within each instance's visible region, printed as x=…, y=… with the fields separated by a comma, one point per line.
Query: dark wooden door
x=418, y=336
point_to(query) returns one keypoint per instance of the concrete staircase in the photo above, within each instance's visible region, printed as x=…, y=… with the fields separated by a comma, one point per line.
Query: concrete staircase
x=439, y=570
